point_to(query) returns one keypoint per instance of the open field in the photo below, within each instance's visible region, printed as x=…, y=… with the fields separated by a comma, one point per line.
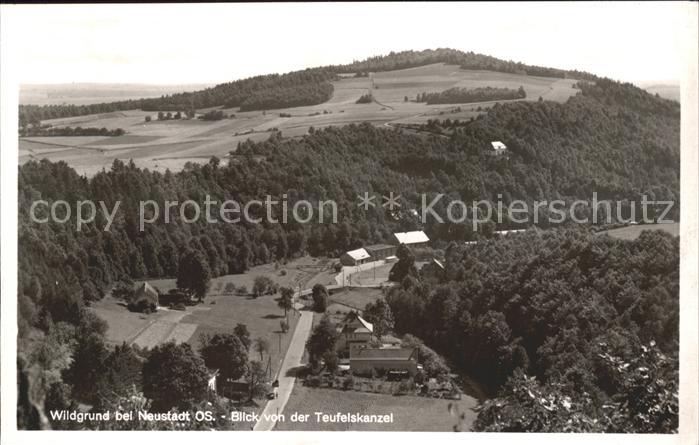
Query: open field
x=162, y=145
x=218, y=313
x=409, y=413
x=633, y=232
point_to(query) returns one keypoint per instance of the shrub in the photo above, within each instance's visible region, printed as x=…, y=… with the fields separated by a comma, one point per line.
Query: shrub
x=313, y=381
x=365, y=99
x=331, y=361
x=263, y=285
x=348, y=382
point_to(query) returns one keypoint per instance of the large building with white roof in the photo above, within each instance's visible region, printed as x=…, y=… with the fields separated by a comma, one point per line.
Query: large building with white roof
x=416, y=238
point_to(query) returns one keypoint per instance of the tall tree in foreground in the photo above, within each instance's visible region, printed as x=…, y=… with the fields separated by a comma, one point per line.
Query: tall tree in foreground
x=226, y=353
x=194, y=273
x=241, y=330
x=380, y=315
x=320, y=298
x=322, y=340
x=262, y=346
x=286, y=300
x=405, y=265
x=257, y=381
x=174, y=376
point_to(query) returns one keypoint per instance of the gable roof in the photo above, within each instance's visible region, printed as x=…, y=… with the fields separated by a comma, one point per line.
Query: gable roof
x=497, y=145
x=417, y=236
x=365, y=326
x=146, y=291
x=383, y=354
x=358, y=254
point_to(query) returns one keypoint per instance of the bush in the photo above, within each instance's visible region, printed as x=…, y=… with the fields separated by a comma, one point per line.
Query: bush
x=242, y=290
x=365, y=99
x=263, y=285
x=331, y=361
x=348, y=382
x=179, y=307
x=142, y=305
x=320, y=298
x=313, y=381
x=404, y=387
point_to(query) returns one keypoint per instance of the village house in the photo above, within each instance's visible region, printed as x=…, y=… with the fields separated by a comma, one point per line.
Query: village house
x=355, y=257
x=364, y=360
x=145, y=299
x=381, y=251
x=497, y=148
x=354, y=331
x=416, y=238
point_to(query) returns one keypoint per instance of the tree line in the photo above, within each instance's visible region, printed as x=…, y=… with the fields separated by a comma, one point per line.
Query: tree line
x=69, y=131
x=458, y=95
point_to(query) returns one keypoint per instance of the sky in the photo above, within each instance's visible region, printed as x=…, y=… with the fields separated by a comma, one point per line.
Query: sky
x=177, y=44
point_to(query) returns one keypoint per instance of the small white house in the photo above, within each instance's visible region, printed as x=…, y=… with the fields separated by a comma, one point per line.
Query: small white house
x=497, y=148
x=355, y=257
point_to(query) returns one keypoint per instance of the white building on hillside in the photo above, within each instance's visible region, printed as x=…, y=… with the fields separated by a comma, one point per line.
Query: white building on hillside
x=497, y=148
x=416, y=238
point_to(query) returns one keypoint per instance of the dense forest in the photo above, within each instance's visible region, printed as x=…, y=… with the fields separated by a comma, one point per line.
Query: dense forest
x=459, y=95
x=566, y=307
x=466, y=60
x=611, y=138
x=306, y=87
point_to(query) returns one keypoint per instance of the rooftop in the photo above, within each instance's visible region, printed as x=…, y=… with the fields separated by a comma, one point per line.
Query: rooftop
x=358, y=254
x=414, y=237
x=383, y=354
x=147, y=291
x=497, y=145
x=379, y=247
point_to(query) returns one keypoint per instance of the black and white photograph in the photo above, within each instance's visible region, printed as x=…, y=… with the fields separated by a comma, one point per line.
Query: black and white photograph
x=312, y=218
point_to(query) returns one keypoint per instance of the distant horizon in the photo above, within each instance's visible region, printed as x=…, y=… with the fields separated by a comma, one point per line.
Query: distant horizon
x=218, y=43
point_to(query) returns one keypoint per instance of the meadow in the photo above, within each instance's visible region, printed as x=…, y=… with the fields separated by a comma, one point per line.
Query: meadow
x=220, y=312
x=633, y=232
x=410, y=413
x=161, y=145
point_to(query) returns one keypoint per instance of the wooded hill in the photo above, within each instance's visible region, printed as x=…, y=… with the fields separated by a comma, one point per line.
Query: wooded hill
x=307, y=87
x=611, y=138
